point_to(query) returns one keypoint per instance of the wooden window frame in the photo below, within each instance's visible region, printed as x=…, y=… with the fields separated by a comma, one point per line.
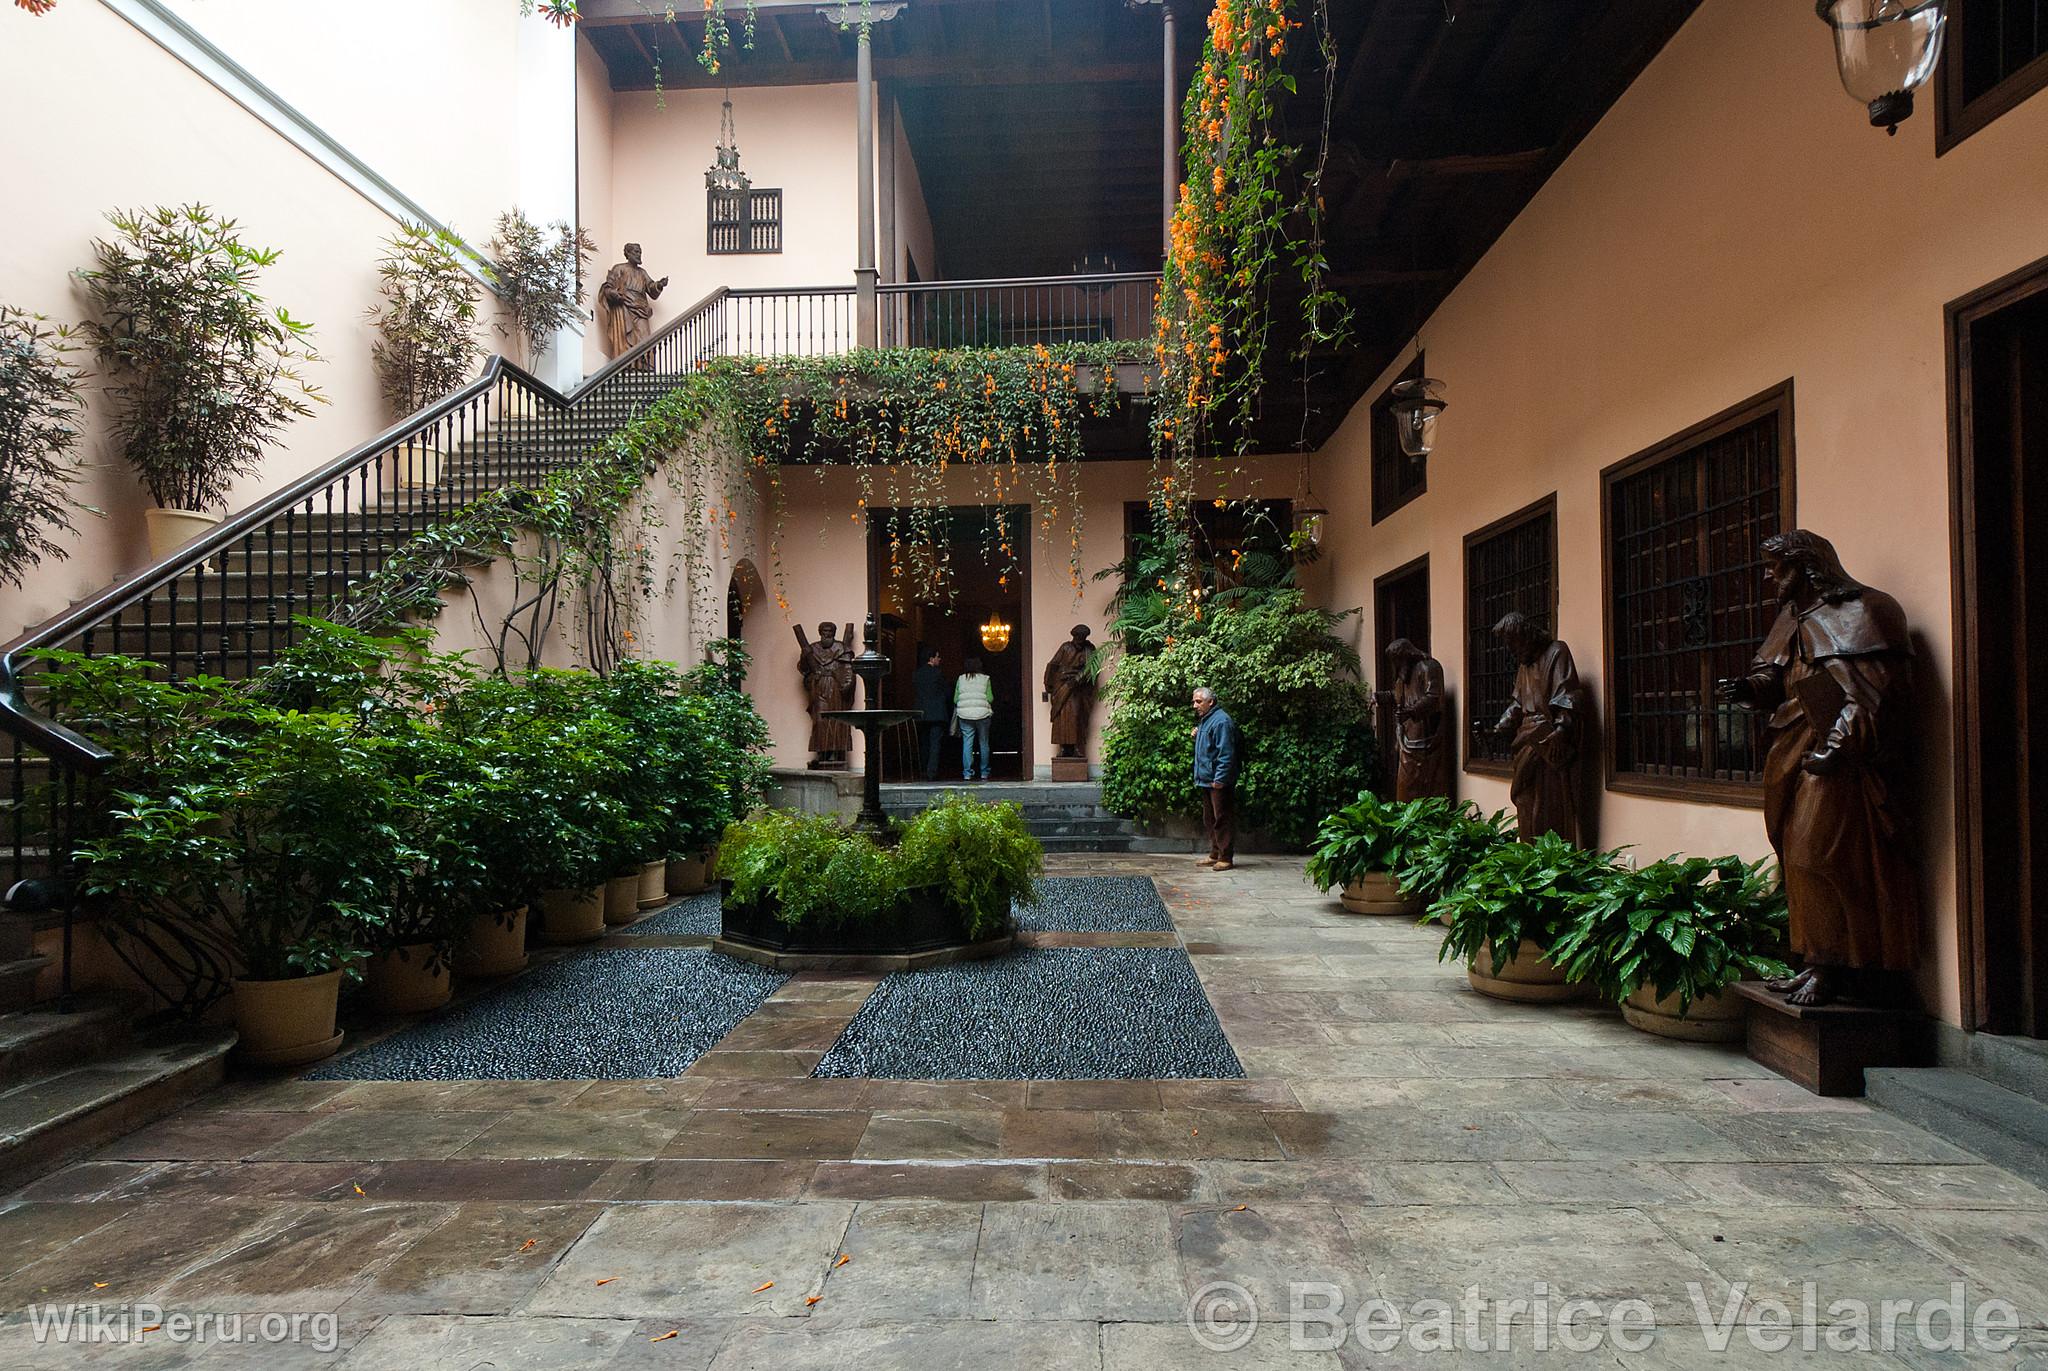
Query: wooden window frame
x=1381, y=434
x=1777, y=401
x=1507, y=523
x=1957, y=118
x=747, y=225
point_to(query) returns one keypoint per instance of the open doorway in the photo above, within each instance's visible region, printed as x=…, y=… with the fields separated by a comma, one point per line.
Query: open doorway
x=1998, y=408
x=980, y=612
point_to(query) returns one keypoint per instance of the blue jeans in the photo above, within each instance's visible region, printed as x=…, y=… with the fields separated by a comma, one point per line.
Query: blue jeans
x=970, y=730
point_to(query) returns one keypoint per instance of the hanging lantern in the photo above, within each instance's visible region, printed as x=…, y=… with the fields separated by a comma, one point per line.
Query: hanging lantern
x=995, y=634
x=1415, y=406
x=1885, y=50
x=724, y=173
x=1309, y=521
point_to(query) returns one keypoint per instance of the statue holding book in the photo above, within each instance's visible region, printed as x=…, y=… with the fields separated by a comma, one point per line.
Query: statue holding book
x=1835, y=675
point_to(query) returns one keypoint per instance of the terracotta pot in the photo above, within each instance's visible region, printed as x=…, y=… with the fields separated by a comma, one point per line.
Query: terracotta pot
x=1721, y=1018
x=1529, y=977
x=653, y=884
x=622, y=898
x=287, y=1023
x=1377, y=892
x=407, y=980
x=170, y=529
x=418, y=467
x=493, y=945
x=572, y=916
x=686, y=875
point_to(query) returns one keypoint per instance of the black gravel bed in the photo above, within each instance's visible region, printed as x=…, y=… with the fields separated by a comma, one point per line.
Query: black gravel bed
x=1040, y=1014
x=1096, y=904
x=689, y=914
x=607, y=1014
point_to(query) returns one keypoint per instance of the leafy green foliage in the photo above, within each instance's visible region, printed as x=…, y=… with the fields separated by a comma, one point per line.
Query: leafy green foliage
x=1519, y=892
x=1371, y=834
x=1685, y=926
x=426, y=326
x=818, y=871
x=39, y=417
x=539, y=274
x=204, y=375
x=1289, y=682
x=1451, y=849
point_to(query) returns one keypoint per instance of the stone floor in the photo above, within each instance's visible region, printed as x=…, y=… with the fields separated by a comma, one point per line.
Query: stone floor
x=1398, y=1138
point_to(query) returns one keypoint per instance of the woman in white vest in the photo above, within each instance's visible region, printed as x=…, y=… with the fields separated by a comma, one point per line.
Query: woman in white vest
x=974, y=701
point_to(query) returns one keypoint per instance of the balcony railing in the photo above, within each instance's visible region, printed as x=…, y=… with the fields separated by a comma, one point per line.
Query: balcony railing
x=227, y=603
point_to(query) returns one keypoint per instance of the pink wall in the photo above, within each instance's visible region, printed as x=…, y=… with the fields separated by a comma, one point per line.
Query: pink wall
x=1734, y=221
x=594, y=180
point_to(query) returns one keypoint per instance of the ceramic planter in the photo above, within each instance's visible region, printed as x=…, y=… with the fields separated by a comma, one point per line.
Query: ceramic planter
x=1529, y=978
x=418, y=466
x=1721, y=1018
x=170, y=529
x=622, y=897
x=1377, y=892
x=493, y=945
x=407, y=980
x=572, y=916
x=653, y=884
x=287, y=1023
x=687, y=875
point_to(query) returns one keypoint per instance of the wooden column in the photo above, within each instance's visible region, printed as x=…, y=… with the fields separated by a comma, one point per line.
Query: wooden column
x=862, y=18
x=1169, y=121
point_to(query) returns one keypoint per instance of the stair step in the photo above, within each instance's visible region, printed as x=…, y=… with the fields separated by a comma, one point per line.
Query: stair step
x=18, y=982
x=51, y=1118
x=38, y=1042
x=2017, y=1064
x=2000, y=1125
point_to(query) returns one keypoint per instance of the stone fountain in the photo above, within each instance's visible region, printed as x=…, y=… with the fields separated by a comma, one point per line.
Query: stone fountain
x=871, y=666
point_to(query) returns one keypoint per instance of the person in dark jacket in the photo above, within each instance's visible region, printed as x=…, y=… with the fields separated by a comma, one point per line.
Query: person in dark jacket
x=1219, y=750
x=934, y=698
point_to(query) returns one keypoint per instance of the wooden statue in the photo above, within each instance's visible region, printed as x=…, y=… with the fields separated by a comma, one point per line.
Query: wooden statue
x=1546, y=720
x=1071, y=687
x=827, y=667
x=1414, y=712
x=627, y=299
x=1835, y=673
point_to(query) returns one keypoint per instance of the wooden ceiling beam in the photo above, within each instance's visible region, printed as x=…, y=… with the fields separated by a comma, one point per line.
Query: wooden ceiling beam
x=741, y=68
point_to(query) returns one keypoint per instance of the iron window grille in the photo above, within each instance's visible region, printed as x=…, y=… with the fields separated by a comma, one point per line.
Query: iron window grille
x=1510, y=567
x=1994, y=57
x=1687, y=602
x=742, y=221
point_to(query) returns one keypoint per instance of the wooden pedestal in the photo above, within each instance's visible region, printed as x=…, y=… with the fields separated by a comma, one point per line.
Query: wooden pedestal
x=1823, y=1048
x=1070, y=768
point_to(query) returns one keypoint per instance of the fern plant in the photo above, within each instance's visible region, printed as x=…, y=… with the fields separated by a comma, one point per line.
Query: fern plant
x=982, y=855
x=1689, y=927
x=1516, y=893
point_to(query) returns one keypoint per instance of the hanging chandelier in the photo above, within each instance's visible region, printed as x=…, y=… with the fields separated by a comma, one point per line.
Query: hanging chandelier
x=1884, y=51
x=724, y=173
x=995, y=634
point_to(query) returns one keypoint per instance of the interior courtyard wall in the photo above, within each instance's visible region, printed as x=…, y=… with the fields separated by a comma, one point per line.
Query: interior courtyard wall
x=1732, y=222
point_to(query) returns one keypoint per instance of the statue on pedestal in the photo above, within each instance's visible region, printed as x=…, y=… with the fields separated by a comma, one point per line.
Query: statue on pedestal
x=1070, y=686
x=1413, y=711
x=827, y=667
x=1835, y=674
x=626, y=303
x=1545, y=719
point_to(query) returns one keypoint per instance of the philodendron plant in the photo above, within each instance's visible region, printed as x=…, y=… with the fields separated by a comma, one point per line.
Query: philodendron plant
x=1375, y=835
x=1688, y=927
x=1516, y=893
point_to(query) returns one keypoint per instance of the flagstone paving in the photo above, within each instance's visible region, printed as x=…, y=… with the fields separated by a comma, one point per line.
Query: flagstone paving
x=1396, y=1137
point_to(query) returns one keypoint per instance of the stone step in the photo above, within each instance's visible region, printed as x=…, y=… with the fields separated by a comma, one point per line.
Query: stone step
x=2000, y=1125
x=38, y=1042
x=18, y=977
x=2016, y=1064
x=50, y=1118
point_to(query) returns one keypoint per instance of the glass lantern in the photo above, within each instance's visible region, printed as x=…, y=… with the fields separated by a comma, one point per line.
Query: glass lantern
x=1885, y=50
x=1416, y=406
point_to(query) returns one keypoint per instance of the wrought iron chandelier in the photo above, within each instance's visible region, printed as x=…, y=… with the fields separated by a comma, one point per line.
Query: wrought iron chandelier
x=995, y=634
x=724, y=173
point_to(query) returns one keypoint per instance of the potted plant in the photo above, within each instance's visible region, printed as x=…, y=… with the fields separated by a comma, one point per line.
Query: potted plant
x=734, y=743
x=539, y=275
x=426, y=329
x=39, y=418
x=204, y=375
x=1363, y=846
x=1512, y=906
x=1665, y=941
x=1450, y=849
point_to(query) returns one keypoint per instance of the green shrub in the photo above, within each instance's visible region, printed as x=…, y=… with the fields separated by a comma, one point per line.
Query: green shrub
x=1516, y=892
x=1688, y=927
x=1371, y=834
x=818, y=871
x=1451, y=849
x=1291, y=685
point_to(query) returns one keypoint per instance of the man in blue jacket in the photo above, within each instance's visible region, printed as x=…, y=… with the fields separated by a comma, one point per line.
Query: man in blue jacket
x=1218, y=749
